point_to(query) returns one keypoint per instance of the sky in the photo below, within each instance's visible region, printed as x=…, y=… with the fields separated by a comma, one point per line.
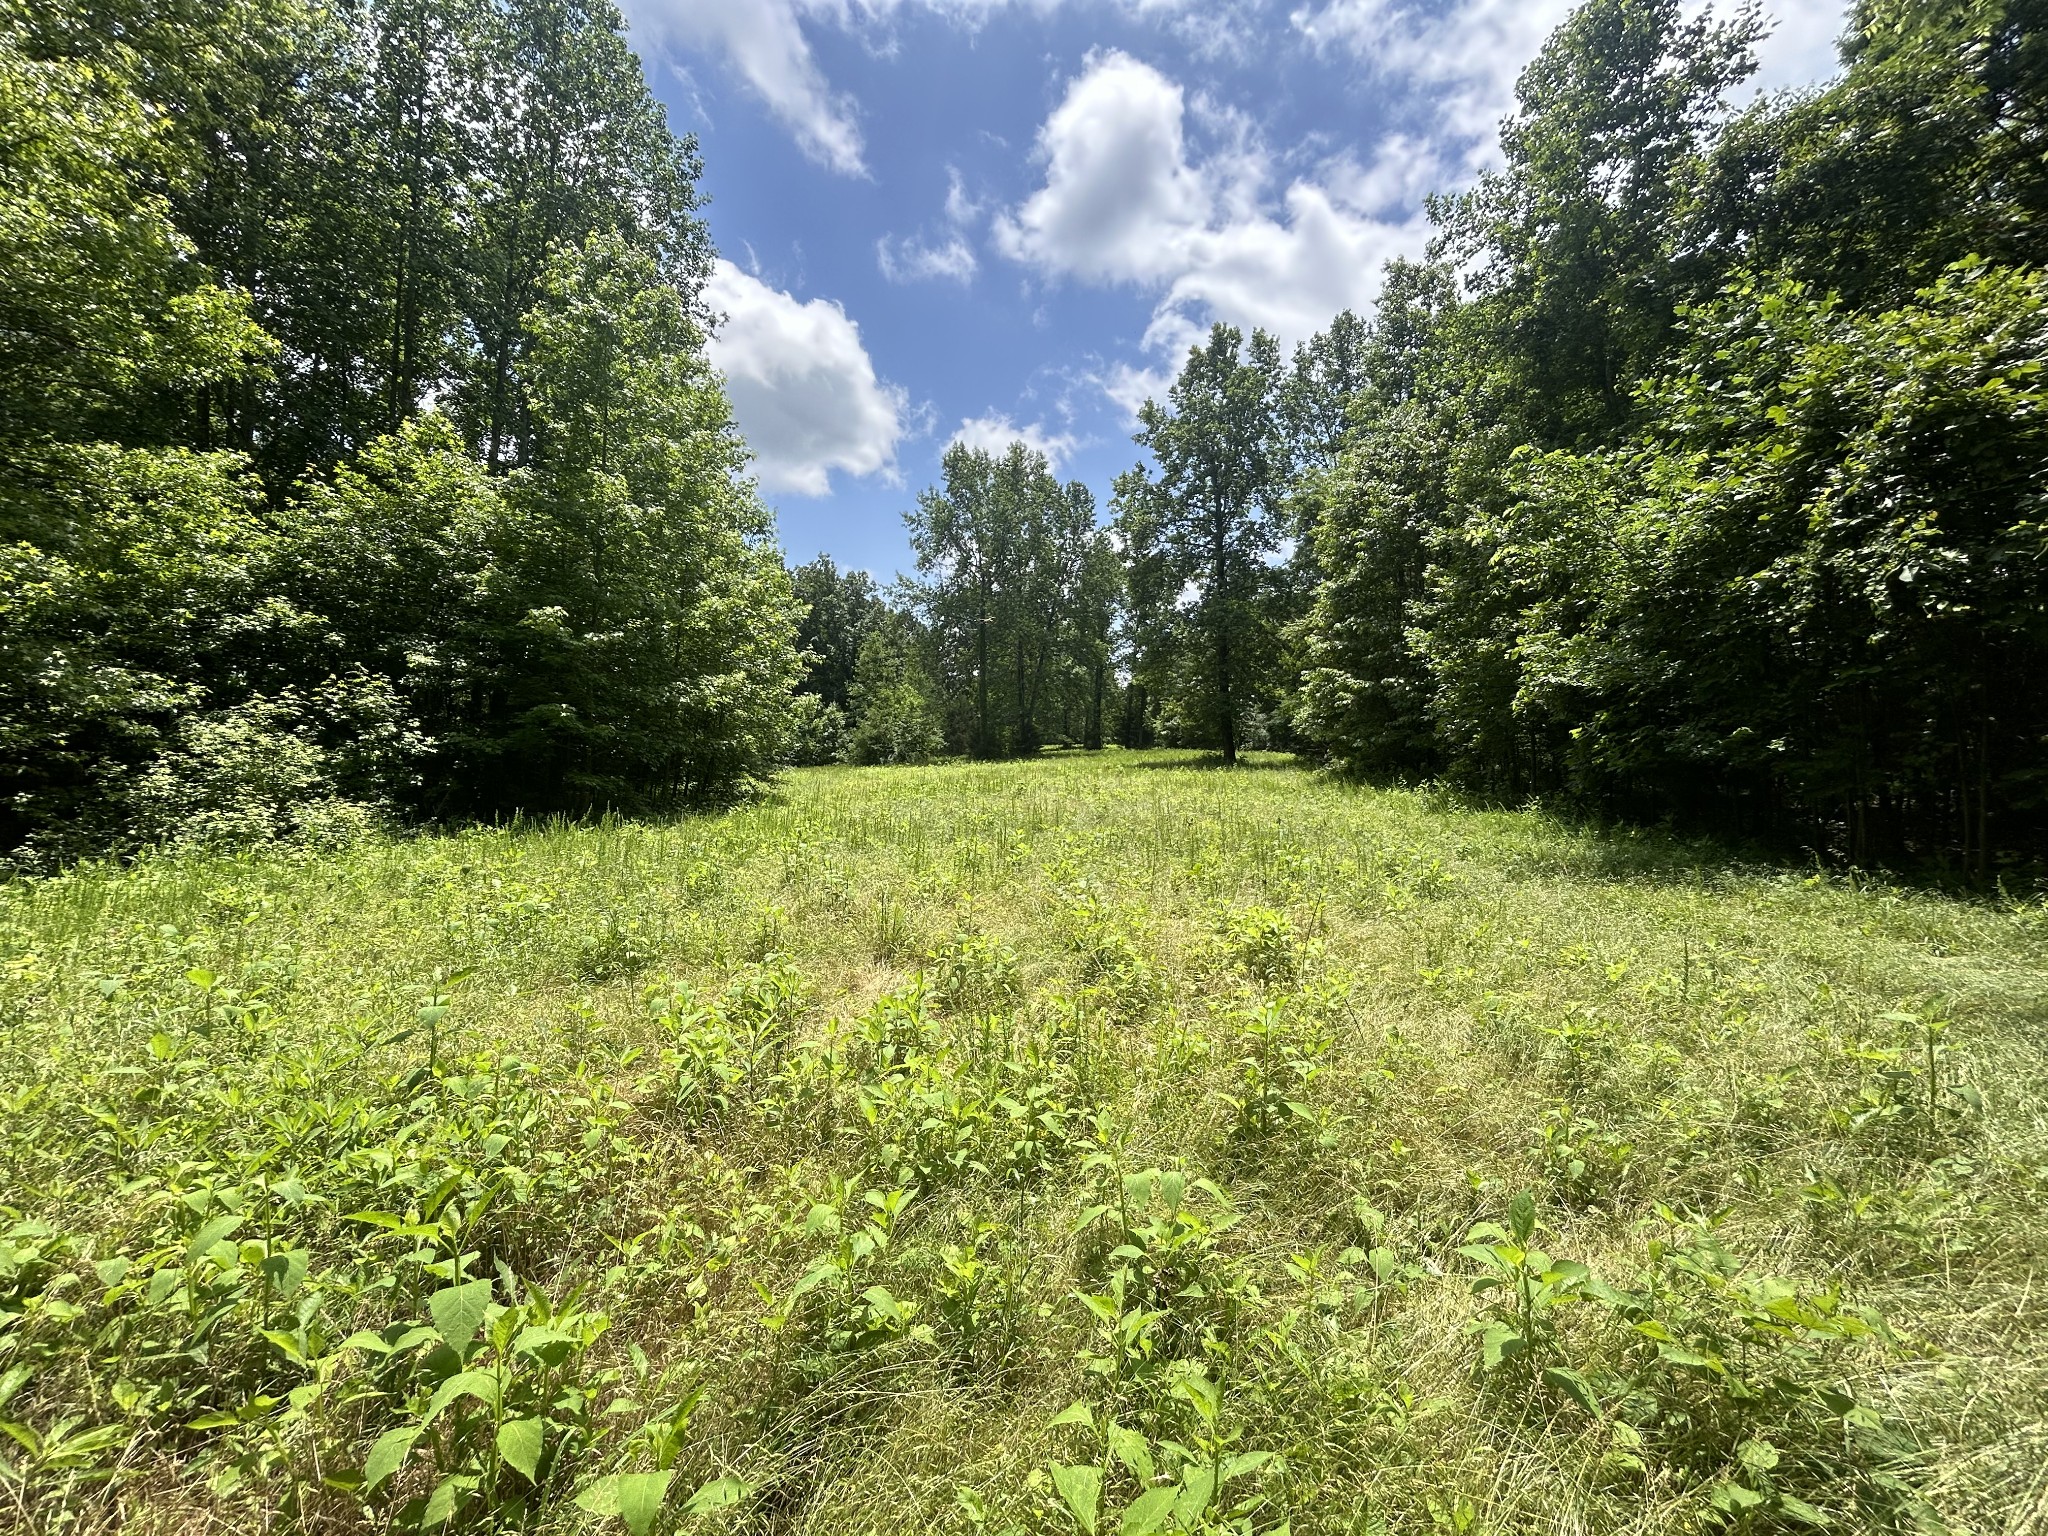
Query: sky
x=980, y=220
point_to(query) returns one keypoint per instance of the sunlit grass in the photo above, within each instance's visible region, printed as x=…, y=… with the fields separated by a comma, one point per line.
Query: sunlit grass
x=839, y=1109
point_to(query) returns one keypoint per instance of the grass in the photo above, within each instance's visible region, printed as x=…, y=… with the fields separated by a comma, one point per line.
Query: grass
x=1093, y=1144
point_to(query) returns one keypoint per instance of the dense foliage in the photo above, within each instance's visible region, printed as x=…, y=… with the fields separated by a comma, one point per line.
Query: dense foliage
x=1700, y=473
x=1018, y=588
x=358, y=450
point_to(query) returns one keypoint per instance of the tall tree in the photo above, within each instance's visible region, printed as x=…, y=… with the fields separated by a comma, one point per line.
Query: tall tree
x=1010, y=583
x=1205, y=530
x=962, y=536
x=840, y=608
x=242, y=247
x=1575, y=243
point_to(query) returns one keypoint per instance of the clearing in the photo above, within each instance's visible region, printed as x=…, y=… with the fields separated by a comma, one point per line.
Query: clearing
x=1100, y=1144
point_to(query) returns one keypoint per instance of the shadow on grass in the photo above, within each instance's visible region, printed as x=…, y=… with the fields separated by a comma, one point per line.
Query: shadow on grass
x=1588, y=844
x=1212, y=762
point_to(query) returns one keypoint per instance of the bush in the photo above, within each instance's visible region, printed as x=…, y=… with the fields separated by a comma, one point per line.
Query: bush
x=817, y=733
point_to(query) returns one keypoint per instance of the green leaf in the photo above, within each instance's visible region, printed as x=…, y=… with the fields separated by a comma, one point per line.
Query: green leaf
x=1690, y=1360
x=388, y=1455
x=209, y=1237
x=1522, y=1217
x=16, y=1377
x=640, y=1495
x=1732, y=1498
x=635, y=1497
x=1201, y=1394
x=1081, y=1487
x=1238, y=1466
x=1757, y=1455
x=1148, y=1512
x=519, y=1446
x=287, y=1345
x=1132, y=1449
x=481, y=1385
x=1801, y=1511
x=721, y=1494
x=1500, y=1343
x=1198, y=1489
x=1076, y=1413
x=1573, y=1385
x=459, y=1311
x=446, y=1499
x=285, y=1272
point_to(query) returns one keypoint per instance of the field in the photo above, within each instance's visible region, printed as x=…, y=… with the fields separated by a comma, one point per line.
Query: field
x=1105, y=1144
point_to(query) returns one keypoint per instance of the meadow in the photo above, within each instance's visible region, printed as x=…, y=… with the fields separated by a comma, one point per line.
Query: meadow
x=1105, y=1144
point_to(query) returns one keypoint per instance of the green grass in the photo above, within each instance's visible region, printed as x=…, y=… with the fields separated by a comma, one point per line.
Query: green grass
x=1317, y=1158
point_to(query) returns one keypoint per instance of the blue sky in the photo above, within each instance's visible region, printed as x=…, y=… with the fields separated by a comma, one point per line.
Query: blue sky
x=994, y=218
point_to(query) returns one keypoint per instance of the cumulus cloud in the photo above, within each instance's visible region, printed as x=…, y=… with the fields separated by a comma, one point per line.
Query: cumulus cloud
x=1120, y=198
x=803, y=388
x=1124, y=202
x=764, y=41
x=1130, y=386
x=1467, y=56
x=995, y=432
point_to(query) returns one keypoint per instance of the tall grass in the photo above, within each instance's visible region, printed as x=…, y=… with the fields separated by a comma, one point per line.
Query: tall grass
x=1103, y=1143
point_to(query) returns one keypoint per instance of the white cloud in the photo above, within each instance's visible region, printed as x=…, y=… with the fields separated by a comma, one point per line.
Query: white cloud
x=1120, y=197
x=949, y=257
x=1130, y=387
x=802, y=386
x=961, y=210
x=907, y=261
x=1466, y=58
x=764, y=41
x=995, y=432
x=1123, y=202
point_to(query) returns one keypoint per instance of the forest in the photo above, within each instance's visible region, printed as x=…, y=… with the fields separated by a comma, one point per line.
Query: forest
x=360, y=459
x=1462, y=953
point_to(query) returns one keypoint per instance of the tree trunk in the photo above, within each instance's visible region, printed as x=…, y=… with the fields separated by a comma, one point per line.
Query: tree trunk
x=1219, y=597
x=981, y=743
x=1092, y=737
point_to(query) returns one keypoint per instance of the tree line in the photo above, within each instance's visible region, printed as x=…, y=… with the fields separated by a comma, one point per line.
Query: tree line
x=1700, y=471
x=359, y=453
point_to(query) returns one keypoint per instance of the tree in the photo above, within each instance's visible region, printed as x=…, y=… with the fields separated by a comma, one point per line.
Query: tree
x=1203, y=532
x=840, y=608
x=1576, y=239
x=1717, y=494
x=1819, y=585
x=104, y=315
x=1012, y=586
x=241, y=247
x=895, y=722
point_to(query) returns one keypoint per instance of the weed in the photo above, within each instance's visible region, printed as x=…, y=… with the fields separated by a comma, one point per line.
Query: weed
x=784, y=1170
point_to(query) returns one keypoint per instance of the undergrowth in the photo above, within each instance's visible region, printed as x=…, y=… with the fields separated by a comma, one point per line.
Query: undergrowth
x=1097, y=1145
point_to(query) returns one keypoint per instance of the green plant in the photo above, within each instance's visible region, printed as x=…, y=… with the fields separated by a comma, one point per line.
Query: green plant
x=1525, y=1290
x=489, y=1396
x=1283, y=1046
x=1205, y=1485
